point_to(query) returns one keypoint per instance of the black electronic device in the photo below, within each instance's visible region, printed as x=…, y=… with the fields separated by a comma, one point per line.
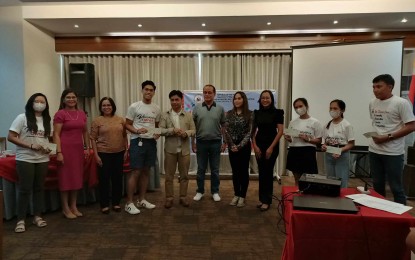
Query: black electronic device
x=82, y=79
x=324, y=204
x=319, y=185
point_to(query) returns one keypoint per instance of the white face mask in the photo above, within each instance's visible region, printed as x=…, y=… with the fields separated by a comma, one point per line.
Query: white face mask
x=39, y=107
x=334, y=114
x=301, y=111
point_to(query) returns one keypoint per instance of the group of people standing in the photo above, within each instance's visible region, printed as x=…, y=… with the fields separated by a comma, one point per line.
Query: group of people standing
x=207, y=131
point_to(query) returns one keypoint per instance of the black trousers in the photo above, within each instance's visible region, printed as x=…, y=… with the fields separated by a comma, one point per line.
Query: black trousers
x=110, y=178
x=240, y=169
x=266, y=173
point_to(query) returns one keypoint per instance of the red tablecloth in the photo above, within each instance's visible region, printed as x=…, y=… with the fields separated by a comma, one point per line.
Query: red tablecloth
x=369, y=234
x=8, y=171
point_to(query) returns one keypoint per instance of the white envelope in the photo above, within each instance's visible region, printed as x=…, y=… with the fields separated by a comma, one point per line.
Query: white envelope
x=333, y=150
x=154, y=131
x=292, y=132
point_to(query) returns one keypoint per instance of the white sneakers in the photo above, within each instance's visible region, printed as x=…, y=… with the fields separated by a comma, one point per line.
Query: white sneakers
x=216, y=197
x=241, y=202
x=131, y=208
x=145, y=204
x=234, y=201
x=238, y=201
x=198, y=196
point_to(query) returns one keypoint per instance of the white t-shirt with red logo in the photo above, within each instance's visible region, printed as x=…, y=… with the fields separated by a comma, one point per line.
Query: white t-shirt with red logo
x=388, y=116
x=19, y=126
x=143, y=116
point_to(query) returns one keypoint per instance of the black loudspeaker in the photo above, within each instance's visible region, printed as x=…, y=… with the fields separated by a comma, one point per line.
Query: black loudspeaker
x=411, y=155
x=409, y=180
x=82, y=79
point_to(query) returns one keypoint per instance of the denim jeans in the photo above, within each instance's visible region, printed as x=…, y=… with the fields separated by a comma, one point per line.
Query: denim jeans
x=338, y=167
x=390, y=168
x=208, y=151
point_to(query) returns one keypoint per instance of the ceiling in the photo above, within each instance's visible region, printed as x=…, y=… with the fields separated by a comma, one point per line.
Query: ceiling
x=168, y=24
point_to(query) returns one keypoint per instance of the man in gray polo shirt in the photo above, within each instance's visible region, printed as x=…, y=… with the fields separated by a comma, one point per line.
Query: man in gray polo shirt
x=209, y=118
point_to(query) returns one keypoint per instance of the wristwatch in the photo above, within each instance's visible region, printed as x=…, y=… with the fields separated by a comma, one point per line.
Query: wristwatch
x=390, y=136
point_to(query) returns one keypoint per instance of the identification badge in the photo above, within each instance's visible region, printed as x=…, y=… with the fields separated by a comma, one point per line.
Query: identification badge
x=140, y=143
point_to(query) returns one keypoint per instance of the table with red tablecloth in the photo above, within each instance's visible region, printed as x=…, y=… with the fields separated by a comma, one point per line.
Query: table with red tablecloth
x=8, y=178
x=369, y=234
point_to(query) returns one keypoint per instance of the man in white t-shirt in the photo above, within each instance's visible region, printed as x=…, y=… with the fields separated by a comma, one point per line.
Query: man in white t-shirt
x=393, y=119
x=142, y=120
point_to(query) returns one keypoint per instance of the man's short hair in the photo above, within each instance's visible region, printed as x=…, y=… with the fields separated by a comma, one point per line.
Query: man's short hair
x=148, y=82
x=176, y=93
x=388, y=79
x=210, y=85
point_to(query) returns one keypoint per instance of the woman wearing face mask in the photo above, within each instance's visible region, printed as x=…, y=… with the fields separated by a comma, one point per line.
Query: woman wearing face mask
x=301, y=157
x=338, y=133
x=71, y=136
x=30, y=132
x=109, y=141
x=267, y=130
x=237, y=136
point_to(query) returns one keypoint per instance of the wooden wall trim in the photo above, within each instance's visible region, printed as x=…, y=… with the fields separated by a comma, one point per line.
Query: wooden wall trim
x=214, y=43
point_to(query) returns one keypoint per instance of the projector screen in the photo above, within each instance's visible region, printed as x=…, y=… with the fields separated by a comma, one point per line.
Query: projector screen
x=322, y=73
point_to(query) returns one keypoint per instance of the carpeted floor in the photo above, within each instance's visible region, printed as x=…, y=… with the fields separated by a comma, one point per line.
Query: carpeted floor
x=206, y=230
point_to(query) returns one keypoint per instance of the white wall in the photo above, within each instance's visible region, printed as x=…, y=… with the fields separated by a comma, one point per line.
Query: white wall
x=12, y=80
x=28, y=64
x=42, y=66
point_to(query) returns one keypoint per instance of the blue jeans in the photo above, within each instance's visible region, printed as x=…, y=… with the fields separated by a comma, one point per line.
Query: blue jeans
x=388, y=167
x=208, y=151
x=338, y=167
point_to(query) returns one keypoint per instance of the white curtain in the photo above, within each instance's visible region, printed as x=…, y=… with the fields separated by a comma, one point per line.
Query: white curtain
x=120, y=77
x=222, y=71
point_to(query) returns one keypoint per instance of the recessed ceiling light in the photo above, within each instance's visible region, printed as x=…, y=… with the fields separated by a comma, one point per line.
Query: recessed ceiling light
x=76, y=26
x=335, y=22
x=140, y=25
x=203, y=24
x=268, y=23
x=404, y=20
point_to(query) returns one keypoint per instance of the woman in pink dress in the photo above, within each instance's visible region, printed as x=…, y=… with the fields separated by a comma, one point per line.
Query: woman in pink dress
x=71, y=136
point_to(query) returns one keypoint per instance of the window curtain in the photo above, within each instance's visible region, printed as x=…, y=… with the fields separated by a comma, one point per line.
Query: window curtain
x=222, y=71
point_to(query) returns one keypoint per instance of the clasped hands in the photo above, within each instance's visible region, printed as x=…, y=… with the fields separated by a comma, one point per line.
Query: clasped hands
x=179, y=132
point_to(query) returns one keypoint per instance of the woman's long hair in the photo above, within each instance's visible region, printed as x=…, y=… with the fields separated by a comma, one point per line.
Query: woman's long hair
x=246, y=113
x=31, y=117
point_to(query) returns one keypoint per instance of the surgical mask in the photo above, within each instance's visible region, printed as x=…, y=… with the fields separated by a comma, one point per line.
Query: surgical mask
x=301, y=111
x=334, y=113
x=39, y=107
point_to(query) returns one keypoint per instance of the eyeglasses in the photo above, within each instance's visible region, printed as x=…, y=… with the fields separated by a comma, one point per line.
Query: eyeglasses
x=70, y=97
